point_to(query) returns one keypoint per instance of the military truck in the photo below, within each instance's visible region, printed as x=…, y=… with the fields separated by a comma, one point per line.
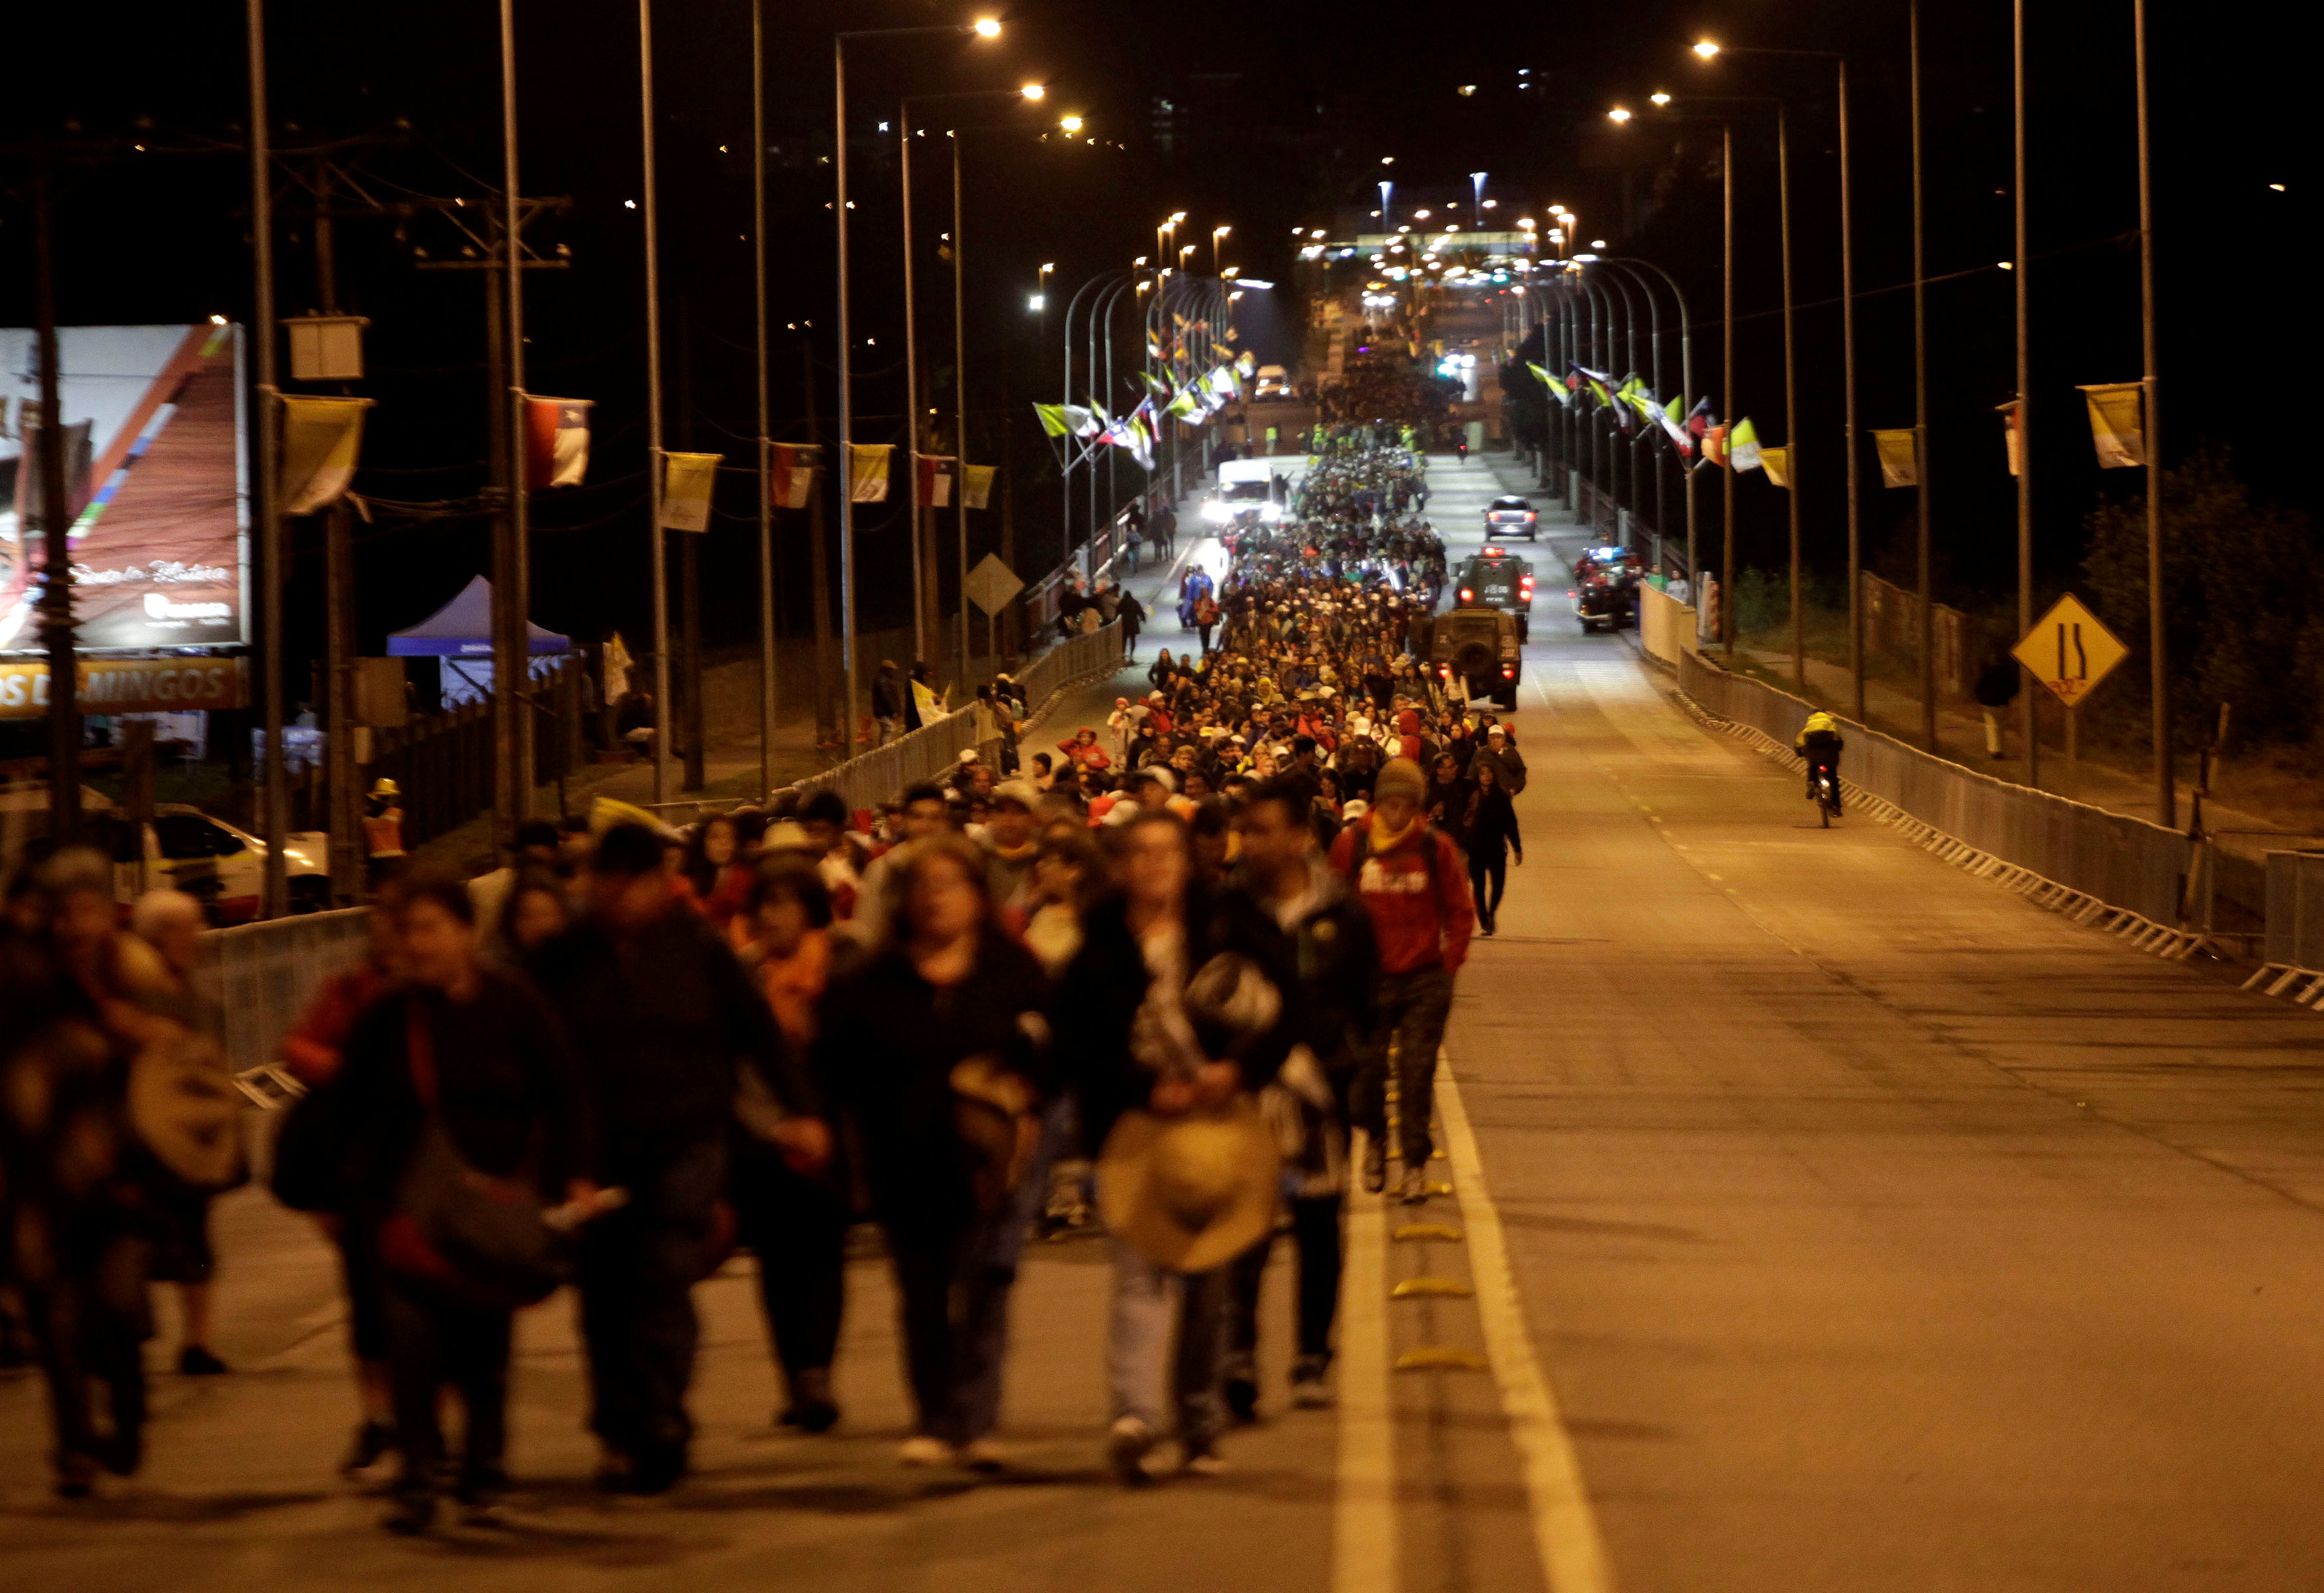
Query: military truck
x=1475, y=651
x=1496, y=578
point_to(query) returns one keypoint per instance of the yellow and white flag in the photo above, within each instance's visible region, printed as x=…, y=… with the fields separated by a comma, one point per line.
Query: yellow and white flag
x=1899, y=459
x=976, y=489
x=686, y=483
x=1777, y=464
x=867, y=472
x=2117, y=422
x=321, y=438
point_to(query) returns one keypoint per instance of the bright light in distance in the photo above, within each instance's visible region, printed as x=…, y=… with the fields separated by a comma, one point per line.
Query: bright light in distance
x=1420, y=215
x=1388, y=159
x=1231, y=270
x=1033, y=91
x=1556, y=236
x=1235, y=295
x=1465, y=90
x=218, y=320
x=1526, y=222
x=1256, y=285
x=1070, y=123
x=1221, y=232
x=1316, y=234
x=1493, y=204
x=1660, y=99
x=633, y=204
x=2006, y=265
x=986, y=28
x=1597, y=243
x=1048, y=267
x=1176, y=216
x=1705, y=49
x=1038, y=301
x=1618, y=114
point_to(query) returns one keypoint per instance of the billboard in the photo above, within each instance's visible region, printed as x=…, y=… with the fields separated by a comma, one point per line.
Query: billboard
x=156, y=477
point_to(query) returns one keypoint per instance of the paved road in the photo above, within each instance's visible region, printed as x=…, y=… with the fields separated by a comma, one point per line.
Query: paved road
x=1826, y=1219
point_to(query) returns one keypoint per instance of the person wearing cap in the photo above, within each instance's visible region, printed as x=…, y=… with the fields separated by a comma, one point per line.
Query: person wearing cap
x=382, y=829
x=1508, y=763
x=1411, y=879
x=1011, y=844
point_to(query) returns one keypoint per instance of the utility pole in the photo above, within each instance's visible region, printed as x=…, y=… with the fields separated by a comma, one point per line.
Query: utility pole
x=766, y=682
x=2028, y=727
x=2166, y=803
x=819, y=565
x=56, y=551
x=512, y=717
x=1927, y=641
x=345, y=817
x=689, y=578
x=265, y=489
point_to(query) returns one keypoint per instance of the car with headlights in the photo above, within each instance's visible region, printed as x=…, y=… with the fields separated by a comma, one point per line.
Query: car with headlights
x=1496, y=578
x=1512, y=517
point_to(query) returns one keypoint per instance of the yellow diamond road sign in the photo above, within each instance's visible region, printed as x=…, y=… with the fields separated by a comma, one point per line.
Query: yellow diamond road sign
x=2069, y=652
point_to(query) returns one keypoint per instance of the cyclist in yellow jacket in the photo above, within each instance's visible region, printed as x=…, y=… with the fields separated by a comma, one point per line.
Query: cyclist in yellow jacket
x=1821, y=742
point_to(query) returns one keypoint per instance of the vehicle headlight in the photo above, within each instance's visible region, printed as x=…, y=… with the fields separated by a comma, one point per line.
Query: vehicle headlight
x=1271, y=512
x=1216, y=512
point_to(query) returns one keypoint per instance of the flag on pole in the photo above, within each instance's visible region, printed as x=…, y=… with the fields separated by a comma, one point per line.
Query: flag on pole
x=867, y=472
x=1701, y=419
x=556, y=442
x=321, y=437
x=1245, y=366
x=1714, y=445
x=688, y=481
x=932, y=486
x=1675, y=428
x=976, y=485
x=1065, y=420
x=1899, y=459
x=794, y=475
x=2008, y=413
x=1743, y=450
x=1777, y=464
x=2117, y=422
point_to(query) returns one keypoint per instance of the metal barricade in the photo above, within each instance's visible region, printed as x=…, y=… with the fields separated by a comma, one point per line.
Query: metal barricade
x=2295, y=909
x=262, y=976
x=2122, y=862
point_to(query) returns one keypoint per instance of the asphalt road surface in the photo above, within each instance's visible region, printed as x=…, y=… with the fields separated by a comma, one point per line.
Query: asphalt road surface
x=1821, y=1220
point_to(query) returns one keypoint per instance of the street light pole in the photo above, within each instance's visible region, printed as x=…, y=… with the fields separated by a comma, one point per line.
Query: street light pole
x=55, y=533
x=960, y=399
x=2028, y=728
x=1927, y=638
x=2166, y=804
x=767, y=679
x=654, y=451
x=511, y=649
x=1791, y=391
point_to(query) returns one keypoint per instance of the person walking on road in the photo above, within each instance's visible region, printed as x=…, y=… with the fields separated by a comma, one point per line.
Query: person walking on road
x=661, y=1014
x=887, y=703
x=1490, y=829
x=1508, y=762
x=1132, y=615
x=1143, y=1063
x=1338, y=964
x=469, y=1050
x=1412, y=881
x=932, y=1051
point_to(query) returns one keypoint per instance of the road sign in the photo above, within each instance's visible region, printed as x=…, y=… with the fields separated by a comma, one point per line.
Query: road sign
x=2069, y=652
x=992, y=584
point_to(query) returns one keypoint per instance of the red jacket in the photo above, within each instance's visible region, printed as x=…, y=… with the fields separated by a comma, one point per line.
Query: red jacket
x=1416, y=927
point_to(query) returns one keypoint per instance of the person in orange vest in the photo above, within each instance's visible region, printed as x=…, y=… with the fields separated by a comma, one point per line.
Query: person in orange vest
x=383, y=832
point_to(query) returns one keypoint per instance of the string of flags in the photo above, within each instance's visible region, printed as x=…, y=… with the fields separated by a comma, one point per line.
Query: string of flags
x=1192, y=402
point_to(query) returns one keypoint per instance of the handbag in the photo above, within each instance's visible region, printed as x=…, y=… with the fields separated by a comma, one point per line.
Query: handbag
x=476, y=1238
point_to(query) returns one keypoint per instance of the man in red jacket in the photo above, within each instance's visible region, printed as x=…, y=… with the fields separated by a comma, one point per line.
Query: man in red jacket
x=1413, y=884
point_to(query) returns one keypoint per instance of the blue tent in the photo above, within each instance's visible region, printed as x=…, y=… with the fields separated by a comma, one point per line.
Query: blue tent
x=463, y=629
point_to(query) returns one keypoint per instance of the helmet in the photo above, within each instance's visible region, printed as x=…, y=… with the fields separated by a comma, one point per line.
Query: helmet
x=386, y=787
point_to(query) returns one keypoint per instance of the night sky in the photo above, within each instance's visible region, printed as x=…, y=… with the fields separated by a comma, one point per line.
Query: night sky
x=1275, y=117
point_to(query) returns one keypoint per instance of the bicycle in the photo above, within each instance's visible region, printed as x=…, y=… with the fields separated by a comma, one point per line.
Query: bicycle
x=1823, y=789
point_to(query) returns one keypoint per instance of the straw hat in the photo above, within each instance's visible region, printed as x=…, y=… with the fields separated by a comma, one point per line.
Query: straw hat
x=1192, y=1193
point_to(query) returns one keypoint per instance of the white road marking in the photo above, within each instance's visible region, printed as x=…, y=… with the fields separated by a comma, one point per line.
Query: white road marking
x=1564, y=1527
x=1364, y=1544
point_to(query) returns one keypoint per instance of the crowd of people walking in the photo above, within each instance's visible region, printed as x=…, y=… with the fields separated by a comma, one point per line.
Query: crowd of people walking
x=1145, y=988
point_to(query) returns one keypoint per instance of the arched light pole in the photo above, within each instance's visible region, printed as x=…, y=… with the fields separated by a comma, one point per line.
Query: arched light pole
x=1686, y=385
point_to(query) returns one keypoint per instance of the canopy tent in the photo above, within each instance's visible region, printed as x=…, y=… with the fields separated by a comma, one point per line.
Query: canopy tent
x=463, y=629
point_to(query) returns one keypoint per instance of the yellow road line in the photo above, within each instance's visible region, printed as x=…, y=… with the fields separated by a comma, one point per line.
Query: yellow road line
x=1564, y=1528
x=1364, y=1544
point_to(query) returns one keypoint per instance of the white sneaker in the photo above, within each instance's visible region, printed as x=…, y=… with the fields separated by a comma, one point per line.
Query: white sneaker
x=920, y=1450
x=1126, y=1449
x=1414, y=1190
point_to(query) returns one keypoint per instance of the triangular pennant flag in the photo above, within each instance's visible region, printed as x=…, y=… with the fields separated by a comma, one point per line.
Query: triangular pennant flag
x=1053, y=420
x=867, y=472
x=1777, y=464
x=688, y=481
x=1673, y=427
x=794, y=475
x=556, y=442
x=1714, y=445
x=1743, y=444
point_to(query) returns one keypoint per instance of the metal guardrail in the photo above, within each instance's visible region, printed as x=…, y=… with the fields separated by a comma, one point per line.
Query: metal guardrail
x=866, y=781
x=262, y=976
x=2122, y=862
x=2295, y=909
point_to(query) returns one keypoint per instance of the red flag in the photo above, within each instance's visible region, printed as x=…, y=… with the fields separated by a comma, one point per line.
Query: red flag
x=935, y=480
x=556, y=442
x=794, y=472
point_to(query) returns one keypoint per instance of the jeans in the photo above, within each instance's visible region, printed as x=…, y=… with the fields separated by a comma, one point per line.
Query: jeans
x=431, y=1343
x=1315, y=1231
x=638, y=1268
x=890, y=726
x=1147, y=1379
x=1413, y=1008
x=89, y=1321
x=993, y=1251
x=1487, y=869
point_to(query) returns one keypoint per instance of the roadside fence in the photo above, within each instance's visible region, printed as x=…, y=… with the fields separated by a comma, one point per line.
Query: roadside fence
x=261, y=976
x=2295, y=968
x=2112, y=860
